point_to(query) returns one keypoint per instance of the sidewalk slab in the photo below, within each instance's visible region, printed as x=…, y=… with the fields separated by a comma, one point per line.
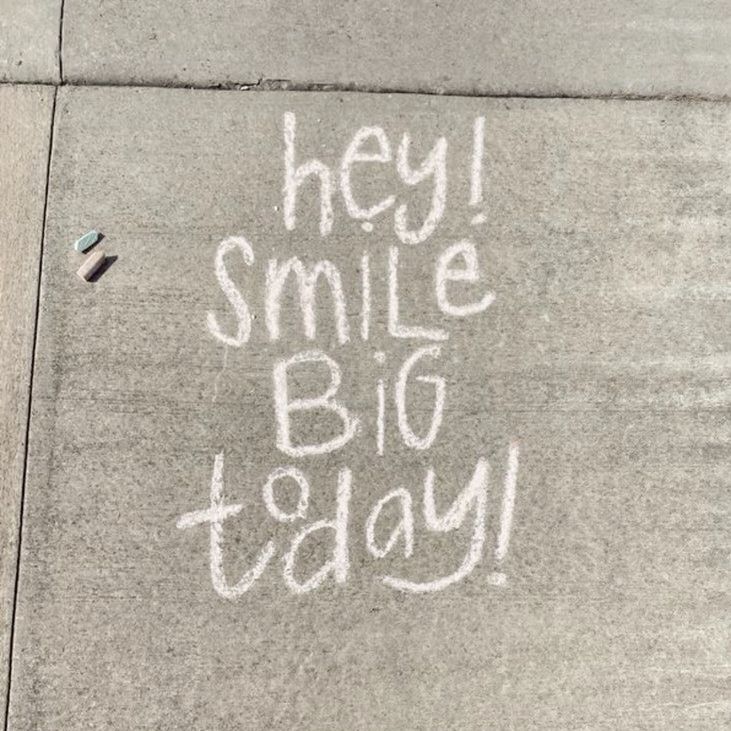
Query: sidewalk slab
x=25, y=122
x=29, y=40
x=604, y=355
x=474, y=47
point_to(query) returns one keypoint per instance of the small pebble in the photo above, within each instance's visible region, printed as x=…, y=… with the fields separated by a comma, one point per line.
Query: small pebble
x=91, y=265
x=86, y=241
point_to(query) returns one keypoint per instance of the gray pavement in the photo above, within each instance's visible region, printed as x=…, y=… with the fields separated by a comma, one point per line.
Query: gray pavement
x=25, y=123
x=605, y=354
x=29, y=40
x=499, y=46
x=585, y=352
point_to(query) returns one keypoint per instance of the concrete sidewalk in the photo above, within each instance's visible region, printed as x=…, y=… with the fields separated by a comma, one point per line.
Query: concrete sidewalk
x=25, y=126
x=30, y=35
x=605, y=355
x=601, y=227
x=563, y=48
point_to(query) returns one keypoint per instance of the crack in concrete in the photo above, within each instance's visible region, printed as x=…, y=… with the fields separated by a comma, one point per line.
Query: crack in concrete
x=34, y=358
x=60, y=41
x=265, y=84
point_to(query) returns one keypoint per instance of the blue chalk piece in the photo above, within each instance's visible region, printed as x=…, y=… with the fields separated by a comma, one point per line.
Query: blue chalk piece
x=87, y=241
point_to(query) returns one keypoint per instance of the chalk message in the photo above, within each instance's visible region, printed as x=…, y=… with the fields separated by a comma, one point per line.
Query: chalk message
x=458, y=264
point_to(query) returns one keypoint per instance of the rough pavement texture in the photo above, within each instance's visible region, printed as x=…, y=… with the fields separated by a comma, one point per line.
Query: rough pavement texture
x=499, y=46
x=29, y=40
x=25, y=122
x=605, y=354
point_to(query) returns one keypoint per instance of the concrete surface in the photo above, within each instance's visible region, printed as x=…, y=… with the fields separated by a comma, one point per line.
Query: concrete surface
x=478, y=46
x=29, y=40
x=25, y=122
x=605, y=353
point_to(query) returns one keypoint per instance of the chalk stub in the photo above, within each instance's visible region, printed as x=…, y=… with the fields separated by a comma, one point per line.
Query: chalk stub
x=86, y=241
x=91, y=265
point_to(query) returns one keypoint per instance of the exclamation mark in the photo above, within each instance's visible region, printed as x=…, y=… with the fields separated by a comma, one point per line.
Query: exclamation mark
x=478, y=152
x=506, y=515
